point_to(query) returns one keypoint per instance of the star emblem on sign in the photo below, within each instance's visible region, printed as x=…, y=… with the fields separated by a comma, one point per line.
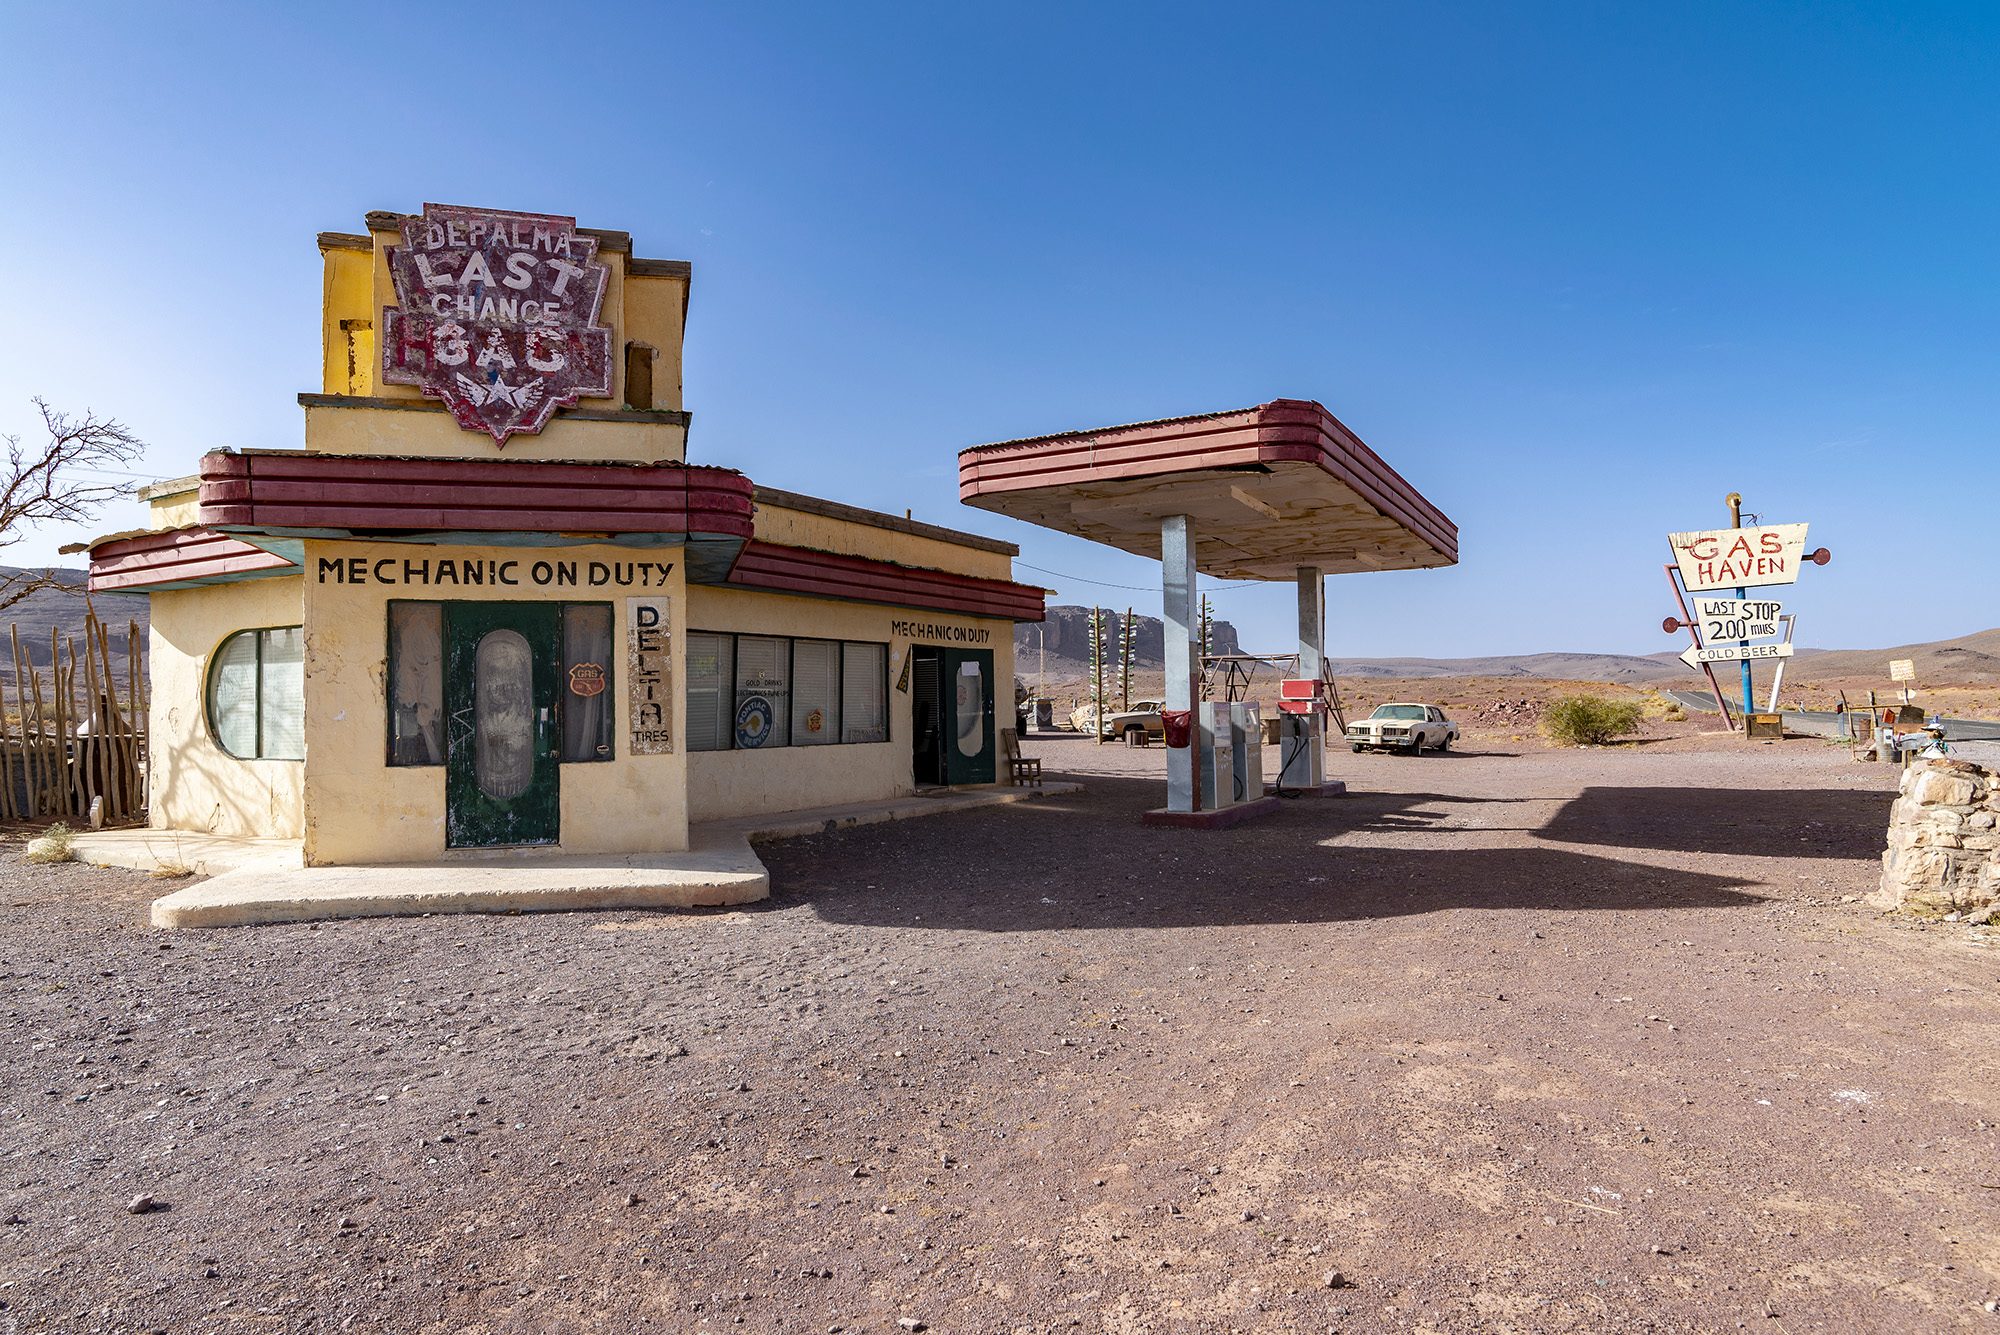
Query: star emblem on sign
x=497, y=316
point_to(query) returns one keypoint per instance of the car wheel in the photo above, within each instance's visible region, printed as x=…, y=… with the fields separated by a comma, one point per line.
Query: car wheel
x=1359, y=748
x=1417, y=745
x=1445, y=745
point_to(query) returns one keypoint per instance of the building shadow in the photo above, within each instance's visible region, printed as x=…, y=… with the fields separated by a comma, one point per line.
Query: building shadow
x=1083, y=861
x=1741, y=822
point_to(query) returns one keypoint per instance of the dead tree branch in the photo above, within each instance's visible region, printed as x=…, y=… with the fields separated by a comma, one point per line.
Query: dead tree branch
x=41, y=484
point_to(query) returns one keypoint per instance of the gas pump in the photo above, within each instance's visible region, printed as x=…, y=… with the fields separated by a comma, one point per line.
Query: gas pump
x=1230, y=761
x=1302, y=707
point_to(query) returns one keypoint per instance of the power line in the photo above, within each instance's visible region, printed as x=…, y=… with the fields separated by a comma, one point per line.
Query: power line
x=1137, y=588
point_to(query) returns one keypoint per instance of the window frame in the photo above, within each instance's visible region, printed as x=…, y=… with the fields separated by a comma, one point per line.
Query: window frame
x=389, y=760
x=733, y=685
x=208, y=693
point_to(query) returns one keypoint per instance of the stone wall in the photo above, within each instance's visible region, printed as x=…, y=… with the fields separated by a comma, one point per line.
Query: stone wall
x=1943, y=831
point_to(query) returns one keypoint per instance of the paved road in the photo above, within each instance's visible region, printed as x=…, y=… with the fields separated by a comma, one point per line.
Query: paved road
x=1824, y=723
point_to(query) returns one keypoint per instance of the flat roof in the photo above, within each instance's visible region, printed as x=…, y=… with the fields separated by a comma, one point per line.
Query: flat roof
x=854, y=514
x=1269, y=488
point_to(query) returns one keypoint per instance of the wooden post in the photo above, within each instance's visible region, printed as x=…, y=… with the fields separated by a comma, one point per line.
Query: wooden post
x=142, y=719
x=8, y=807
x=90, y=728
x=125, y=803
x=29, y=769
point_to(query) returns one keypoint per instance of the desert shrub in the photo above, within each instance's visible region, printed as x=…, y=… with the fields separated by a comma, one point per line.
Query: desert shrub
x=52, y=845
x=1590, y=720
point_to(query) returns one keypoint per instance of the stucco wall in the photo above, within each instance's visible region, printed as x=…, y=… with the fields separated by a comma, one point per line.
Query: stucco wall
x=429, y=432
x=359, y=809
x=775, y=523
x=724, y=784
x=195, y=784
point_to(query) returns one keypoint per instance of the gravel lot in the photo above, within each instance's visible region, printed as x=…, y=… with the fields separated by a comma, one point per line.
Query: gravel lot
x=1546, y=1041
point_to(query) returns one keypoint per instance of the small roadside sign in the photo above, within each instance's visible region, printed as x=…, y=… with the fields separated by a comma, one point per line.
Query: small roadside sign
x=1725, y=653
x=1738, y=618
x=1902, y=669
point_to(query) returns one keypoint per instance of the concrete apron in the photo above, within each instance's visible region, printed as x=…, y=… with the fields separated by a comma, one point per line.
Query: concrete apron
x=264, y=881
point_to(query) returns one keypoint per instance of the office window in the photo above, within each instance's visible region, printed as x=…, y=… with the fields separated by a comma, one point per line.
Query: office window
x=763, y=691
x=864, y=694
x=416, y=683
x=257, y=694
x=586, y=682
x=711, y=673
x=815, y=692
x=756, y=692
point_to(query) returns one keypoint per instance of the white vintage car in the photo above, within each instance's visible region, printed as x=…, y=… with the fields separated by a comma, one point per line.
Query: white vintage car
x=1143, y=716
x=1408, y=728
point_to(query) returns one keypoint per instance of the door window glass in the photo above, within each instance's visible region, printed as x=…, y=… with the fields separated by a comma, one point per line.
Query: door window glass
x=815, y=692
x=503, y=677
x=971, y=709
x=416, y=683
x=763, y=691
x=864, y=693
x=586, y=682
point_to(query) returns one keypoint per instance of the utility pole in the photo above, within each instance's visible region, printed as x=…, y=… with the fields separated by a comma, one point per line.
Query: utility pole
x=1125, y=639
x=1097, y=674
x=1207, y=646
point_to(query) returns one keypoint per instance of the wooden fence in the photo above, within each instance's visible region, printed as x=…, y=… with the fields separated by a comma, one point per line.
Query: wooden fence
x=69, y=734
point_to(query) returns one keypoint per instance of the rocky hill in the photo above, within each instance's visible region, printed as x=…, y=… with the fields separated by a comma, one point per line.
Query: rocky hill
x=63, y=609
x=1065, y=638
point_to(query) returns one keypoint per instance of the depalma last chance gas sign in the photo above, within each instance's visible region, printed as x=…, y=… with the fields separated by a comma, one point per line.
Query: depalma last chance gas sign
x=497, y=315
x=1739, y=558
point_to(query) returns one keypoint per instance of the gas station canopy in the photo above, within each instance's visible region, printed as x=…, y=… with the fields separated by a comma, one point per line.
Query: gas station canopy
x=1267, y=490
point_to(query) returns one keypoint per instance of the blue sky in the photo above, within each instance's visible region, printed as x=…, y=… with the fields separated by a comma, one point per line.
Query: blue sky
x=1575, y=270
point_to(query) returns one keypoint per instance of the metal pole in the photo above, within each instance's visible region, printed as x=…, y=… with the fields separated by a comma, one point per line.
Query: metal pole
x=1735, y=500
x=1694, y=630
x=1177, y=587
x=1097, y=675
x=1791, y=624
x=1303, y=758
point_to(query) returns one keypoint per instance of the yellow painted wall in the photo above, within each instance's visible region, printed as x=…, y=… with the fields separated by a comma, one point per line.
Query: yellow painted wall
x=180, y=509
x=360, y=809
x=796, y=528
x=195, y=784
x=434, y=434
x=739, y=783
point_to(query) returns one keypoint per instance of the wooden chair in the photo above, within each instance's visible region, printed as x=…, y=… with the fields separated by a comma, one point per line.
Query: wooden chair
x=1020, y=769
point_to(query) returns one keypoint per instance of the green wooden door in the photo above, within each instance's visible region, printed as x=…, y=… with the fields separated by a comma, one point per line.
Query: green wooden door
x=501, y=776
x=966, y=691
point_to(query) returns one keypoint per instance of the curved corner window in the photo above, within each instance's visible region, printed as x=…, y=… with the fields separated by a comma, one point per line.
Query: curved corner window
x=257, y=694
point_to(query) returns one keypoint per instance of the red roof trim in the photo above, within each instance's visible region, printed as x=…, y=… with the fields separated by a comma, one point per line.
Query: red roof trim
x=783, y=569
x=292, y=491
x=1283, y=430
x=176, y=556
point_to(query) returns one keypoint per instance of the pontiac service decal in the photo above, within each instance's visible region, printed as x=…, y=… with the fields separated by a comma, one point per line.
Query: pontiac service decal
x=497, y=316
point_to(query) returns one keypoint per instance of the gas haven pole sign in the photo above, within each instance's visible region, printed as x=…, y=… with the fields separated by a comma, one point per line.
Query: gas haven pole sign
x=1737, y=563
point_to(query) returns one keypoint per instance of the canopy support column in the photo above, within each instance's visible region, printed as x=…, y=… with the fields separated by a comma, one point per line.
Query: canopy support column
x=1182, y=651
x=1303, y=759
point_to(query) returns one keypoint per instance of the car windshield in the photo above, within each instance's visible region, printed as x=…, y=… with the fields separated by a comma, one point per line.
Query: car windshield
x=1398, y=711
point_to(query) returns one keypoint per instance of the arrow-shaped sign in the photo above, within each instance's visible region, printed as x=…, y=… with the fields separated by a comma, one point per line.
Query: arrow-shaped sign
x=1723, y=653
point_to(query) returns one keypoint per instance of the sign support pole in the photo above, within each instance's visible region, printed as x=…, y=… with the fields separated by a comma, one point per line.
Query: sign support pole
x=1749, y=696
x=1694, y=630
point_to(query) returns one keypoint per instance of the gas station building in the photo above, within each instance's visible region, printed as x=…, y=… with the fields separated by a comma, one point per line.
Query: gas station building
x=488, y=604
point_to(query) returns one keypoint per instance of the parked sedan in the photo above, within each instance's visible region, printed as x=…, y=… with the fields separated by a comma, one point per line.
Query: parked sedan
x=1143, y=716
x=1408, y=728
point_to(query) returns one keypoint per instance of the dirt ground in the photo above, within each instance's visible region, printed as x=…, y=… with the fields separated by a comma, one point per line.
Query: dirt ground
x=1513, y=1041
